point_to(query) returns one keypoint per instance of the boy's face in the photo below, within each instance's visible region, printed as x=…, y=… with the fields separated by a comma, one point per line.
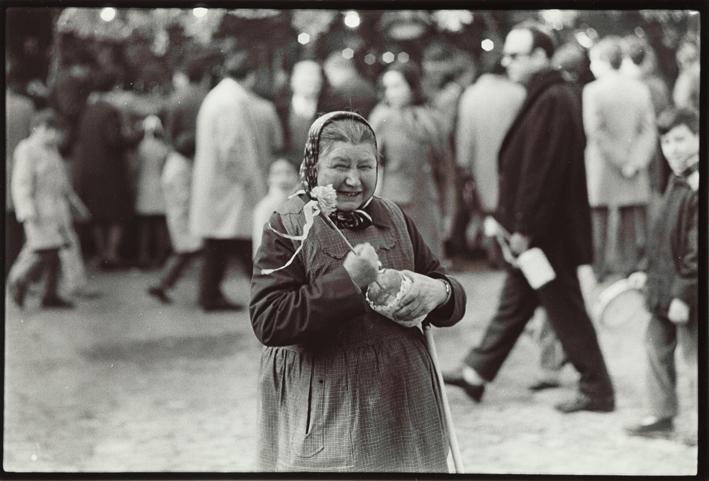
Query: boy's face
x=283, y=175
x=51, y=136
x=680, y=147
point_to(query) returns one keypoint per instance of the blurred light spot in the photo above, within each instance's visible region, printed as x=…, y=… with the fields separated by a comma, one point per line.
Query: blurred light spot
x=640, y=32
x=303, y=38
x=348, y=53
x=107, y=14
x=370, y=59
x=388, y=57
x=199, y=12
x=403, y=57
x=487, y=45
x=352, y=19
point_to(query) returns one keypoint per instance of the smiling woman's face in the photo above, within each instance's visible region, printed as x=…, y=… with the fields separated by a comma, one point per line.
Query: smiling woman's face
x=352, y=171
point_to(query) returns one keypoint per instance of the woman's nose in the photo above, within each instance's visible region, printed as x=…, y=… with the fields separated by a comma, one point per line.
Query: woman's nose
x=352, y=178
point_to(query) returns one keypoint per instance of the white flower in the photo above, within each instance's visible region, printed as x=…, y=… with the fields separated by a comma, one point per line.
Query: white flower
x=327, y=198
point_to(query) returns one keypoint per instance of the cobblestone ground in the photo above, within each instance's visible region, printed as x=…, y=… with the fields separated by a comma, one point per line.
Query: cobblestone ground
x=123, y=384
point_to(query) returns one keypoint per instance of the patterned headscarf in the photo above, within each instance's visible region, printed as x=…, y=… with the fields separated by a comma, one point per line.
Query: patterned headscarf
x=356, y=219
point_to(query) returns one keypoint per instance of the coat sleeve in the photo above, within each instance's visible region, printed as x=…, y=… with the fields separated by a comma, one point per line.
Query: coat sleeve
x=684, y=286
x=23, y=184
x=546, y=162
x=645, y=146
x=287, y=307
x=464, y=140
x=234, y=143
x=597, y=131
x=426, y=263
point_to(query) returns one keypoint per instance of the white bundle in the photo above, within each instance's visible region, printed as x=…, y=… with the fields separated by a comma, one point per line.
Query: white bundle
x=385, y=296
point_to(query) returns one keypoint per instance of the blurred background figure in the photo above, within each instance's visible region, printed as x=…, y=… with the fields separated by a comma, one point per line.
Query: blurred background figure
x=485, y=113
x=227, y=180
x=176, y=183
x=640, y=63
x=101, y=172
x=686, y=89
x=350, y=90
x=297, y=107
x=417, y=160
x=268, y=130
x=19, y=110
x=150, y=201
x=190, y=88
x=43, y=198
x=282, y=182
x=620, y=128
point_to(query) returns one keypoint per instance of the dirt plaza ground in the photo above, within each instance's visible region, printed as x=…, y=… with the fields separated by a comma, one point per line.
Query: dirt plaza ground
x=124, y=384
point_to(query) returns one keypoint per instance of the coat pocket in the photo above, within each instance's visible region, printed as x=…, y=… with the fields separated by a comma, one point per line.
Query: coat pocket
x=308, y=435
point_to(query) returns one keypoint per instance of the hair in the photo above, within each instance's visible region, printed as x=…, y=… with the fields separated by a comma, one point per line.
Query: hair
x=635, y=49
x=412, y=76
x=195, y=68
x=105, y=80
x=345, y=130
x=541, y=37
x=46, y=117
x=239, y=64
x=185, y=144
x=571, y=58
x=674, y=117
x=610, y=49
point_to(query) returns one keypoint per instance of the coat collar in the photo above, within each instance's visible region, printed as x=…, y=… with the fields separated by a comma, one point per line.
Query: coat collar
x=538, y=83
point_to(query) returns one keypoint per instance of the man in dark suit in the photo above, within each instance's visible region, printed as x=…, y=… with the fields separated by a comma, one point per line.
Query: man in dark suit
x=543, y=203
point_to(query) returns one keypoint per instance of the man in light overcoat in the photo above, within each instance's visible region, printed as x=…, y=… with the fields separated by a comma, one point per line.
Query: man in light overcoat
x=227, y=179
x=619, y=121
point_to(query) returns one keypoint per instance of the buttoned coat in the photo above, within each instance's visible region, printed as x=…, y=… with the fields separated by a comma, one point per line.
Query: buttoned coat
x=40, y=189
x=542, y=176
x=619, y=121
x=227, y=179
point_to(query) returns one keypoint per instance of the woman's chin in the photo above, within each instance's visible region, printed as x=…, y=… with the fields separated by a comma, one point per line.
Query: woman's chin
x=349, y=204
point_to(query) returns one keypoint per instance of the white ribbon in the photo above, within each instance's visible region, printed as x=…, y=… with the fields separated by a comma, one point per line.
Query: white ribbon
x=310, y=210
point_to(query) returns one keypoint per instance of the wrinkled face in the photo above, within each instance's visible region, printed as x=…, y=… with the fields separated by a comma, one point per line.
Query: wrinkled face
x=680, y=147
x=396, y=90
x=518, y=58
x=352, y=171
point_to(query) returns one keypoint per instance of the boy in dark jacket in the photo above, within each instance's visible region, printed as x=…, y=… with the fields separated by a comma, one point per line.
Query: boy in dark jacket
x=671, y=278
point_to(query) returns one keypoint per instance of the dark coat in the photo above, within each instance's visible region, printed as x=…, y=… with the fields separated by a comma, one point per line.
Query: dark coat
x=672, y=248
x=182, y=112
x=542, y=175
x=100, y=171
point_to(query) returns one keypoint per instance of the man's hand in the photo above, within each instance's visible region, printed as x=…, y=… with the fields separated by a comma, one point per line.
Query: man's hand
x=519, y=243
x=678, y=312
x=638, y=279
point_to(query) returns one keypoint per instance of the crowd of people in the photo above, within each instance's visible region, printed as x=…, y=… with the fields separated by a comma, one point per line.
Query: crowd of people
x=572, y=152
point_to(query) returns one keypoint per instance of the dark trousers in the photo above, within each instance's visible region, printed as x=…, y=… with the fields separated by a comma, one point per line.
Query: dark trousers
x=216, y=254
x=45, y=261
x=564, y=305
x=14, y=237
x=622, y=249
x=176, y=267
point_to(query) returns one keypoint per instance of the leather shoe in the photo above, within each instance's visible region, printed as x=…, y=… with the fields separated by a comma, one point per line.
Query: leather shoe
x=660, y=428
x=543, y=384
x=582, y=402
x=160, y=294
x=56, y=302
x=455, y=378
x=221, y=305
x=18, y=292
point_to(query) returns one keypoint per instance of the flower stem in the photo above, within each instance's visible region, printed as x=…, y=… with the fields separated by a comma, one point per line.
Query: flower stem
x=332, y=224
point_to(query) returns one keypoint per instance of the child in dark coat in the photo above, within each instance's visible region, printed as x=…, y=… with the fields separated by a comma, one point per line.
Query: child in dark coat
x=671, y=278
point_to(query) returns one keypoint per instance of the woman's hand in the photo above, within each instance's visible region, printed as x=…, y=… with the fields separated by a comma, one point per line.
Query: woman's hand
x=362, y=266
x=424, y=296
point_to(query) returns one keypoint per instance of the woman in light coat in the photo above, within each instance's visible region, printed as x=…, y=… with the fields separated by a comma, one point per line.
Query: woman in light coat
x=418, y=163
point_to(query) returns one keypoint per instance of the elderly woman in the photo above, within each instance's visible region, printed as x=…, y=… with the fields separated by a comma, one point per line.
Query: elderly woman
x=343, y=388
